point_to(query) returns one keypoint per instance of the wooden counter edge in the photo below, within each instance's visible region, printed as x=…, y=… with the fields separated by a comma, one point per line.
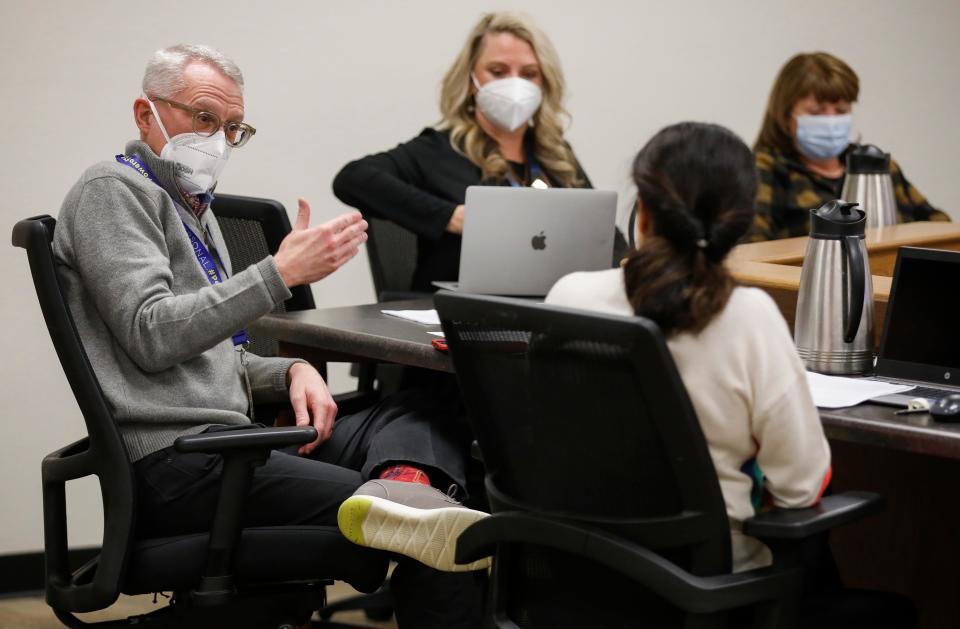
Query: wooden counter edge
x=790, y=251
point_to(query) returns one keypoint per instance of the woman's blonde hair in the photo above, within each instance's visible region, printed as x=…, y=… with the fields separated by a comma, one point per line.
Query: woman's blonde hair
x=457, y=104
x=828, y=78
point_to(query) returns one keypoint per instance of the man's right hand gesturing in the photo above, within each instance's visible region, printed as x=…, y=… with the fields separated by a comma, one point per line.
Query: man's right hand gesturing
x=309, y=254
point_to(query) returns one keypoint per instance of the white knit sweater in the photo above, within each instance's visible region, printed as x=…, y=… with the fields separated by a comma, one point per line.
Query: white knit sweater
x=749, y=390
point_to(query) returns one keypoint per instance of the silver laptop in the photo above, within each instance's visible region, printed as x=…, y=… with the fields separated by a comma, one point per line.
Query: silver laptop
x=520, y=241
x=921, y=337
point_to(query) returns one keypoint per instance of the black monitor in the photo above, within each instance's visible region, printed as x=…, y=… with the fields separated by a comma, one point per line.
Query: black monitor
x=921, y=331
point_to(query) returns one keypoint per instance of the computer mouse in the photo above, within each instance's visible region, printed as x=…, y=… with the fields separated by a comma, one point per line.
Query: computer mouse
x=947, y=409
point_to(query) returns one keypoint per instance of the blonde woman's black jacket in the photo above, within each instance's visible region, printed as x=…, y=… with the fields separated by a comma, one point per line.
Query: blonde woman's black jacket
x=417, y=185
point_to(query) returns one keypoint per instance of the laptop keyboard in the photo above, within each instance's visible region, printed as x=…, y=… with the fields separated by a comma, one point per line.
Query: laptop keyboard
x=928, y=392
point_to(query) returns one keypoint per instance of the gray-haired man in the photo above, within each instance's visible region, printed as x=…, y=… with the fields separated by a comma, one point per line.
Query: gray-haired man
x=148, y=279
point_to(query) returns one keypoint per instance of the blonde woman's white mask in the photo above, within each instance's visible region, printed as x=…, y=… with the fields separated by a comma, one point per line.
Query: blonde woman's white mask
x=508, y=103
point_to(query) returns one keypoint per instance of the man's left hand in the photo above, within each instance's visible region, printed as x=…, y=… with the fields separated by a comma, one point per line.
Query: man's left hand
x=312, y=403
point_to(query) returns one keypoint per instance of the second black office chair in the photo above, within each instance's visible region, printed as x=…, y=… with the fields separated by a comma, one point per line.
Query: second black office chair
x=392, y=253
x=253, y=229
x=606, y=506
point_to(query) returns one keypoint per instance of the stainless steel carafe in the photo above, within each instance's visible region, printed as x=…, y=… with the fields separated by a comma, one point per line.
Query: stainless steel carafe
x=867, y=182
x=834, y=324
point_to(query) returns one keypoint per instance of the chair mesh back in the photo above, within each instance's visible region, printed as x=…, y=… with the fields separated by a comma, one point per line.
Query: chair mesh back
x=584, y=417
x=245, y=240
x=541, y=398
x=392, y=252
x=628, y=454
x=247, y=245
x=253, y=229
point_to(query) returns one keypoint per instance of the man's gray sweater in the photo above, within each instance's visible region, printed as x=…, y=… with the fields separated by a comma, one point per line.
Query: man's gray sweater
x=157, y=333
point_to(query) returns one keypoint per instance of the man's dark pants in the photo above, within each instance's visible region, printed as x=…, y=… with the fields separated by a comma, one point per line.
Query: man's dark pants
x=177, y=492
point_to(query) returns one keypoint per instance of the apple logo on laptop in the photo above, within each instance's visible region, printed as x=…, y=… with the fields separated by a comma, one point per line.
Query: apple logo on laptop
x=539, y=241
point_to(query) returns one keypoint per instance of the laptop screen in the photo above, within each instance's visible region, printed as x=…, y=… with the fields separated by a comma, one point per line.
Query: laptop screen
x=921, y=337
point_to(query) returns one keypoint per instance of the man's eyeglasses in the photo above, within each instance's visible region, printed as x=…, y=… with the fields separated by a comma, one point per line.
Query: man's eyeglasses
x=207, y=123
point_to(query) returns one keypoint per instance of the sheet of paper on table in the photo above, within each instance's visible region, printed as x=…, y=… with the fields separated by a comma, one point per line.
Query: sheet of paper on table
x=839, y=392
x=425, y=317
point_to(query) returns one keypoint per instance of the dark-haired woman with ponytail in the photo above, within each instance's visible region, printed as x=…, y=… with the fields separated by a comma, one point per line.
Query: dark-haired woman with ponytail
x=696, y=186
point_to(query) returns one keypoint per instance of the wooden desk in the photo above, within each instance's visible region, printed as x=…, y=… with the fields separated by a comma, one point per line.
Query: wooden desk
x=912, y=461
x=913, y=546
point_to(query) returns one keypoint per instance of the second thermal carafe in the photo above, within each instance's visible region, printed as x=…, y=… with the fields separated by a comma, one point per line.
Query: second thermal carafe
x=868, y=183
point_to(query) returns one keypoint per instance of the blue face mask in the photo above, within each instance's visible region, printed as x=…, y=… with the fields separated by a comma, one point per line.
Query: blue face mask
x=823, y=137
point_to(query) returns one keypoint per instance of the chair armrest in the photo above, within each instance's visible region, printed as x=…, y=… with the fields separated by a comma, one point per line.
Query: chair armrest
x=689, y=592
x=254, y=439
x=830, y=512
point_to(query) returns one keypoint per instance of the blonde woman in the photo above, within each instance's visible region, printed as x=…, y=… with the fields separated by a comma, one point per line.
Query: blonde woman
x=503, y=123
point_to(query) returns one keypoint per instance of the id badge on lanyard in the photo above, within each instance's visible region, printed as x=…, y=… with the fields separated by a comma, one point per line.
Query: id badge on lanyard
x=535, y=174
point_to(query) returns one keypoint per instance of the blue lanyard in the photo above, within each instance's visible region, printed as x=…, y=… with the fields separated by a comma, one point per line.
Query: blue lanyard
x=210, y=269
x=207, y=262
x=535, y=172
x=135, y=164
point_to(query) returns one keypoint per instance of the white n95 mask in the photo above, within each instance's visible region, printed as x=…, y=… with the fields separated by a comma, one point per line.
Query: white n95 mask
x=508, y=103
x=199, y=160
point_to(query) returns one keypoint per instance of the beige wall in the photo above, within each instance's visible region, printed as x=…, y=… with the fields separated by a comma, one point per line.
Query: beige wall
x=330, y=81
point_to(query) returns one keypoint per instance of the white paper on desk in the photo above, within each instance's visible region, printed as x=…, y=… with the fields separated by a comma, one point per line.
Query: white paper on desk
x=426, y=317
x=437, y=333
x=839, y=392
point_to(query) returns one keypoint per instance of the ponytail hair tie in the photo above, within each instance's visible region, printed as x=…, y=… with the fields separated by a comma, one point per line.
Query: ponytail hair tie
x=703, y=243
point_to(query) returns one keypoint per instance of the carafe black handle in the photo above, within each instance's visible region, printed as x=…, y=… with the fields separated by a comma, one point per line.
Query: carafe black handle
x=857, y=273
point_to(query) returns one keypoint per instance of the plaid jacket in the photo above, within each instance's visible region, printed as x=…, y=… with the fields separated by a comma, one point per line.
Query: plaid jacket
x=787, y=191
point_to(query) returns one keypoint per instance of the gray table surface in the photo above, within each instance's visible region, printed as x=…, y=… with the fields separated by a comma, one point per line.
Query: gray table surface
x=359, y=333
x=875, y=424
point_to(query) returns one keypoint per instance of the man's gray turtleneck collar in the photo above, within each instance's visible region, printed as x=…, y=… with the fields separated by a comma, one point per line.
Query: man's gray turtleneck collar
x=165, y=170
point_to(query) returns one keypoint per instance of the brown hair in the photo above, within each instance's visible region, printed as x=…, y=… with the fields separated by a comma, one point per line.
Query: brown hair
x=698, y=183
x=828, y=78
x=546, y=132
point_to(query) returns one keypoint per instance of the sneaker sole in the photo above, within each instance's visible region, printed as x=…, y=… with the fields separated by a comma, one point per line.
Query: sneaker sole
x=427, y=535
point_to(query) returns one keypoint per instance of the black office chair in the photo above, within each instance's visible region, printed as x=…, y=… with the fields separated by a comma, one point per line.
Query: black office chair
x=606, y=506
x=392, y=253
x=252, y=230
x=231, y=576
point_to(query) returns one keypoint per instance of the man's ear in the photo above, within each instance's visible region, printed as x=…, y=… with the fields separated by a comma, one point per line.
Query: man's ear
x=143, y=116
